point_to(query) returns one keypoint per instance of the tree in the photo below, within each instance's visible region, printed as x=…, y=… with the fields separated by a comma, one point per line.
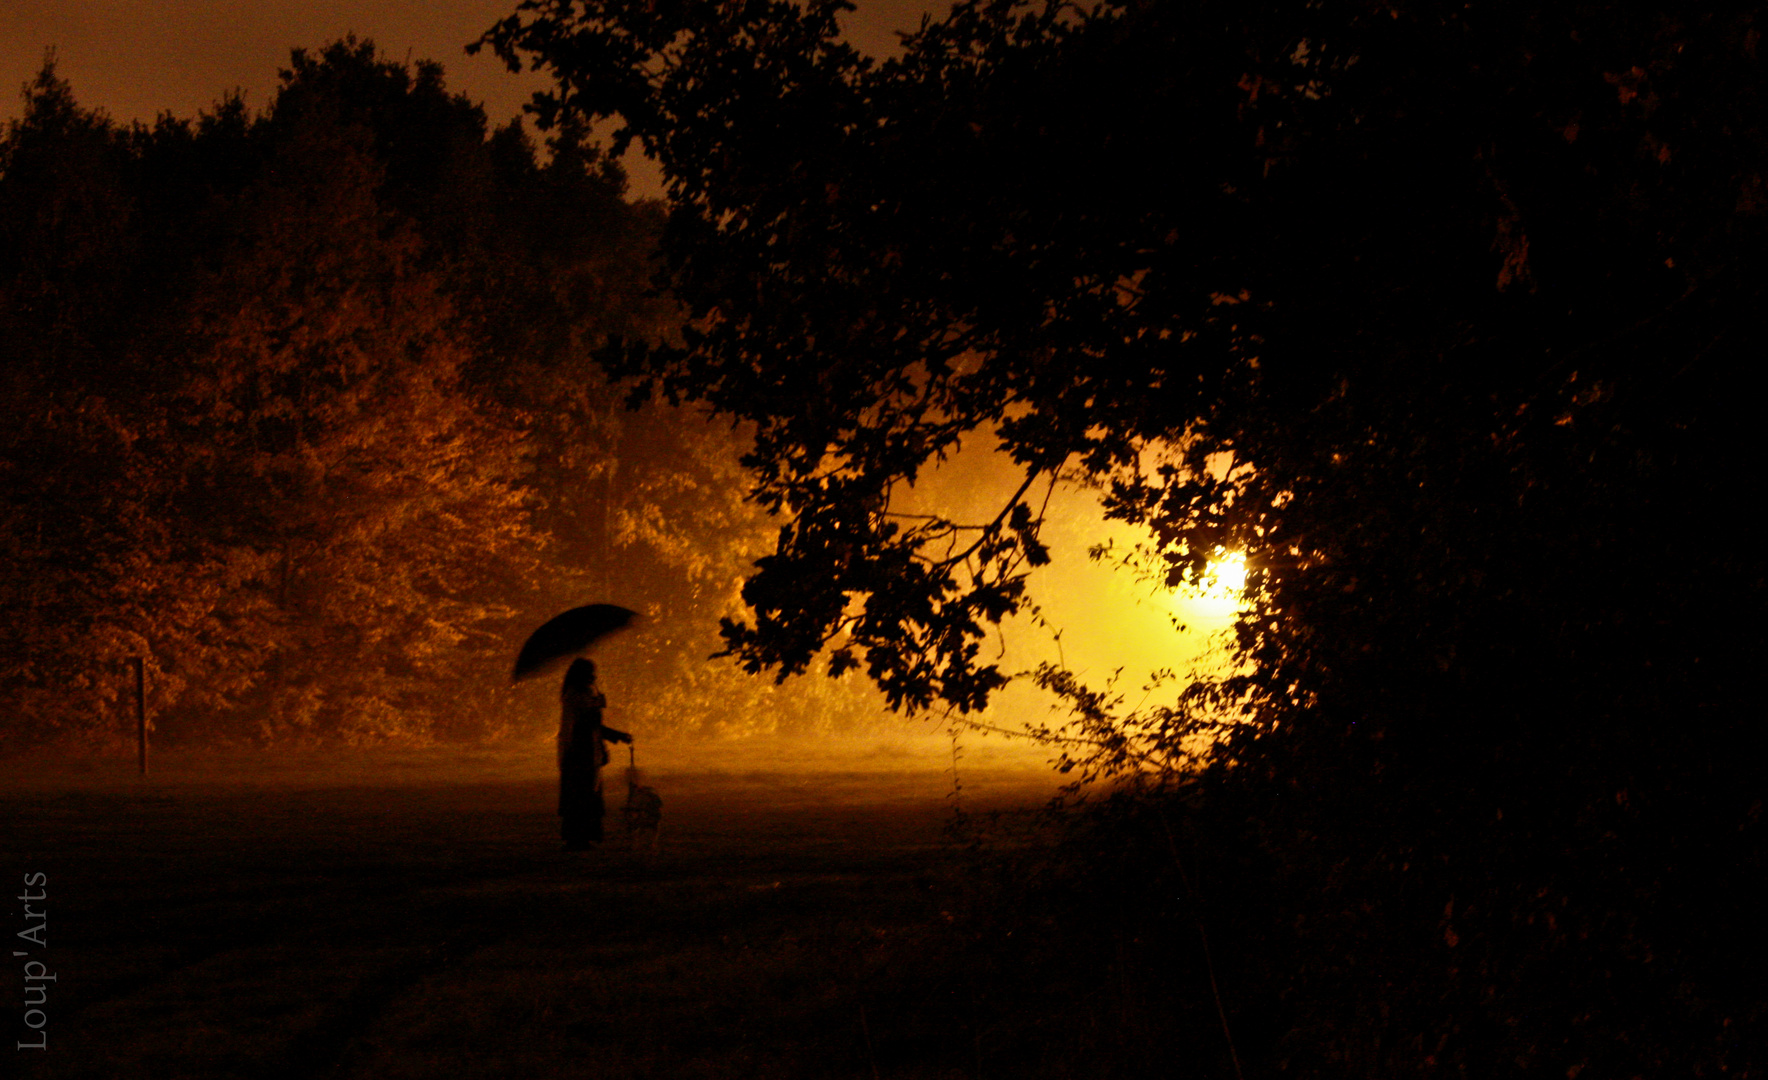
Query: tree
x=1462, y=294
x=326, y=411
x=309, y=418
x=95, y=568
x=247, y=449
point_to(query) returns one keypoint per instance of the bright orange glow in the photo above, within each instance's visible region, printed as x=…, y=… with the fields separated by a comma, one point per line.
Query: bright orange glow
x=1218, y=595
x=1102, y=609
x=1227, y=576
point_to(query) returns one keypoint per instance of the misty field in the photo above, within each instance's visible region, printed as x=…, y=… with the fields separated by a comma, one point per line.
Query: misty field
x=413, y=915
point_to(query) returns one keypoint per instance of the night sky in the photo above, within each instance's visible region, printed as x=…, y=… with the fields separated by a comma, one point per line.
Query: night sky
x=136, y=59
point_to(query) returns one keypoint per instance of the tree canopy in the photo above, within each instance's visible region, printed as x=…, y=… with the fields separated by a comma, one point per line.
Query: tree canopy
x=306, y=417
x=1106, y=231
x=1439, y=313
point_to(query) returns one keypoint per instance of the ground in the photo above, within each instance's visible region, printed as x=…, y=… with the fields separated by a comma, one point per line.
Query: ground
x=413, y=915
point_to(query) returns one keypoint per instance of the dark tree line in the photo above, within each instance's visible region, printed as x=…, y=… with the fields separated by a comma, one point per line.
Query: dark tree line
x=1467, y=296
x=300, y=408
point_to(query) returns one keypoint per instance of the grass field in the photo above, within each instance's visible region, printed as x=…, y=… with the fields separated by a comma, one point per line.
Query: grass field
x=413, y=915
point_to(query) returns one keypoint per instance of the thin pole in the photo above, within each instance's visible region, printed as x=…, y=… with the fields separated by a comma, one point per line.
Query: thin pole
x=141, y=713
x=1208, y=960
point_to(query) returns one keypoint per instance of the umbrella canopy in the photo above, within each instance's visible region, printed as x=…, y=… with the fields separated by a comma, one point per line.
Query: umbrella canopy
x=564, y=636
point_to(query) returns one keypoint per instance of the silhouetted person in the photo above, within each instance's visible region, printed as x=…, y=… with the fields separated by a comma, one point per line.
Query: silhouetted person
x=582, y=754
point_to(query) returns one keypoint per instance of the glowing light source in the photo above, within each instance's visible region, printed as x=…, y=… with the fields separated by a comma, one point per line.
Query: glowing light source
x=1217, y=595
x=1227, y=576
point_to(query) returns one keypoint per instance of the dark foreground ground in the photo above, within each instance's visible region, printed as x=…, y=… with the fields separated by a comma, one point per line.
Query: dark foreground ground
x=399, y=921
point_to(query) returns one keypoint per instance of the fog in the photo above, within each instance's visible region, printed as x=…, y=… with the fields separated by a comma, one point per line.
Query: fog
x=1105, y=621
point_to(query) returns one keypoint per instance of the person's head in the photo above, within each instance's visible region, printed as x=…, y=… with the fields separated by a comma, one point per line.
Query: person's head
x=580, y=675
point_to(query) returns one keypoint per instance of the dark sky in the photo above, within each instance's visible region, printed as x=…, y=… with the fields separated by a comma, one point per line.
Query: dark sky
x=138, y=58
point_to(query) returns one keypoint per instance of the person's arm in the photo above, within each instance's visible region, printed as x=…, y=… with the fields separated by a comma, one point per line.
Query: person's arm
x=611, y=735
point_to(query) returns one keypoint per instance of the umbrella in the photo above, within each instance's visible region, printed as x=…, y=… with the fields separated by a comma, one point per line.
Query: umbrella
x=566, y=635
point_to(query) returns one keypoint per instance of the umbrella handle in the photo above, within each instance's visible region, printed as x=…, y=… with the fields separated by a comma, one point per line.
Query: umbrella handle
x=630, y=762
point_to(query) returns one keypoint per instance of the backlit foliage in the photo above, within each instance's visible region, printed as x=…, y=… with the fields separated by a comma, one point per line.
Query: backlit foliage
x=1468, y=291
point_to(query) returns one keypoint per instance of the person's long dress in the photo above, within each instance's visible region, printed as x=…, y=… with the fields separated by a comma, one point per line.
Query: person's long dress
x=581, y=756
